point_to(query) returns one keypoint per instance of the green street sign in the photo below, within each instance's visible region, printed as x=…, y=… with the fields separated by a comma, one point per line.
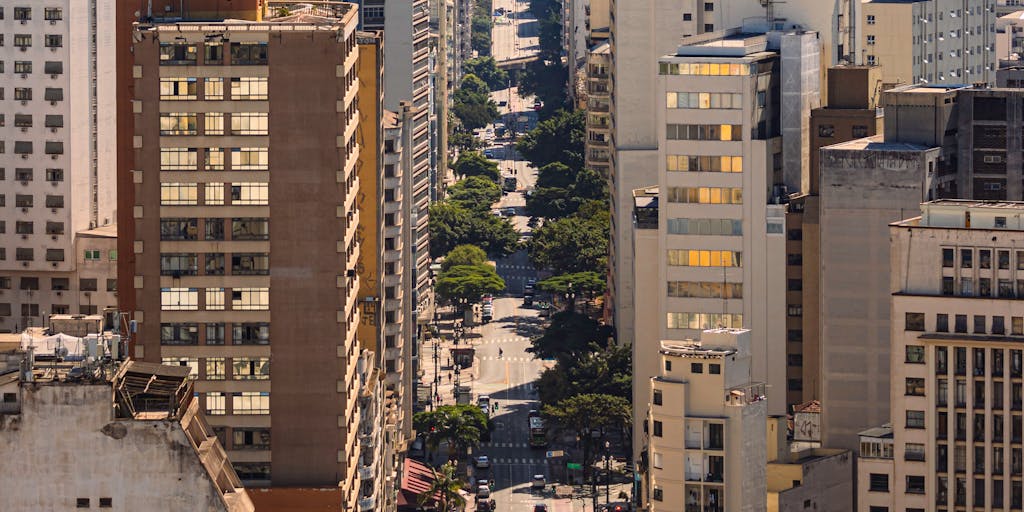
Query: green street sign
x=573, y=465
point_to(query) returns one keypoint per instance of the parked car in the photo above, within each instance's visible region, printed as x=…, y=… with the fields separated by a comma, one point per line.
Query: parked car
x=538, y=482
x=482, y=462
x=483, y=492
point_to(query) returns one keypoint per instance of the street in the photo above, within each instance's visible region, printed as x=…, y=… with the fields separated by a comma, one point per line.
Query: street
x=514, y=35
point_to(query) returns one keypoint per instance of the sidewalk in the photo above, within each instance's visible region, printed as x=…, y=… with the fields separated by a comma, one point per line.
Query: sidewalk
x=443, y=372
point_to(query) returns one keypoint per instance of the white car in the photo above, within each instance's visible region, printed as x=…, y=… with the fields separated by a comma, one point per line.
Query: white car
x=482, y=462
x=538, y=482
x=483, y=492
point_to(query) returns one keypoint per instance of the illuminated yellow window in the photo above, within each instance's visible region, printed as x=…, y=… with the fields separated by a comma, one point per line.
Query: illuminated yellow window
x=716, y=258
x=670, y=100
x=704, y=68
x=672, y=163
x=727, y=259
x=714, y=69
x=726, y=132
x=705, y=258
x=716, y=195
x=214, y=123
x=705, y=100
x=704, y=195
x=737, y=164
x=726, y=163
x=737, y=196
x=694, y=258
x=214, y=193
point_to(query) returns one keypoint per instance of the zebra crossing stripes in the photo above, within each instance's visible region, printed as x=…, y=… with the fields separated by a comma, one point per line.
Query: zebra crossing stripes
x=509, y=461
x=503, y=340
x=514, y=267
x=512, y=359
x=505, y=445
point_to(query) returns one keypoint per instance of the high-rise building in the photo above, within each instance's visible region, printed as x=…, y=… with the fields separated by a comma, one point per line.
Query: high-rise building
x=597, y=95
x=956, y=364
x=930, y=41
x=245, y=203
x=706, y=427
x=57, y=161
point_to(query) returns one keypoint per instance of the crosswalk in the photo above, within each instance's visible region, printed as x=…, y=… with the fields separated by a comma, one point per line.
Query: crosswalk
x=503, y=266
x=509, y=461
x=504, y=445
x=511, y=359
x=503, y=340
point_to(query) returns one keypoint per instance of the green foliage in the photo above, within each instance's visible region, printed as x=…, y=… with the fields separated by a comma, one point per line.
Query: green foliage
x=460, y=426
x=480, y=25
x=572, y=244
x=569, y=337
x=607, y=371
x=558, y=139
x=473, y=163
x=555, y=175
x=465, y=284
x=475, y=193
x=587, y=412
x=587, y=284
x=472, y=104
x=452, y=225
x=473, y=85
x=487, y=69
x=547, y=80
x=464, y=141
x=444, y=489
x=562, y=191
x=550, y=35
x=464, y=255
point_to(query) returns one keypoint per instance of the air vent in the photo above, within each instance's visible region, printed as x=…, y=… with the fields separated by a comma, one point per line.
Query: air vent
x=24, y=75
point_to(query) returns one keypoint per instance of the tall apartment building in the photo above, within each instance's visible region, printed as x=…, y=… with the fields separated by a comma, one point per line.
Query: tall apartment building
x=705, y=427
x=229, y=227
x=930, y=41
x=597, y=153
x=56, y=154
x=643, y=30
x=956, y=363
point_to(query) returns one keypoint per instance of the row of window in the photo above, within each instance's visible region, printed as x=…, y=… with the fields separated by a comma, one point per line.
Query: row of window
x=32, y=310
x=215, y=368
x=914, y=321
x=705, y=69
x=242, y=264
x=879, y=482
x=245, y=402
x=980, y=399
x=26, y=120
x=241, y=88
x=960, y=460
x=728, y=132
x=28, y=227
x=183, y=53
x=29, y=254
x=24, y=67
x=28, y=200
x=187, y=123
x=984, y=256
x=242, y=299
x=187, y=159
x=705, y=290
x=704, y=320
x=56, y=283
x=243, y=228
x=187, y=194
x=704, y=258
x=26, y=147
x=857, y=131
x=25, y=40
x=705, y=195
x=25, y=13
x=242, y=333
x=704, y=163
x=980, y=485
x=726, y=227
x=704, y=100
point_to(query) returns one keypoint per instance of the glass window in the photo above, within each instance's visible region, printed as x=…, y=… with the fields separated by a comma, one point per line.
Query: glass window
x=250, y=402
x=178, y=124
x=915, y=419
x=213, y=88
x=250, y=334
x=250, y=299
x=179, y=229
x=213, y=194
x=213, y=123
x=176, y=89
x=249, y=194
x=177, y=53
x=179, y=334
x=914, y=354
x=215, y=368
x=214, y=159
x=914, y=322
x=178, y=159
x=250, y=159
x=250, y=368
x=215, y=404
x=249, y=88
x=178, y=194
x=214, y=299
x=250, y=229
x=179, y=299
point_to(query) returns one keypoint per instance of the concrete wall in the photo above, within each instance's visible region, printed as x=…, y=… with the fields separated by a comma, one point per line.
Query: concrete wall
x=826, y=480
x=801, y=79
x=140, y=465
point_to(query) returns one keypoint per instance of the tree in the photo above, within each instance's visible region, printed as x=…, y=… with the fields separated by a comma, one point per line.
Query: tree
x=547, y=80
x=472, y=104
x=487, y=69
x=473, y=163
x=459, y=426
x=558, y=139
x=555, y=175
x=550, y=203
x=464, y=255
x=464, y=284
x=585, y=285
x=573, y=244
x=585, y=413
x=464, y=141
x=569, y=336
x=444, y=490
x=451, y=225
x=475, y=193
x=606, y=371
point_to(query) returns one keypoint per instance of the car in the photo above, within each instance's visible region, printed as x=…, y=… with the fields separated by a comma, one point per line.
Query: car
x=489, y=153
x=538, y=482
x=534, y=413
x=483, y=505
x=503, y=103
x=510, y=211
x=483, y=492
x=540, y=507
x=482, y=462
x=486, y=409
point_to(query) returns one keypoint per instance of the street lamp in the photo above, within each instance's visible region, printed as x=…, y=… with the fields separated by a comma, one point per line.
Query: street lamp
x=607, y=472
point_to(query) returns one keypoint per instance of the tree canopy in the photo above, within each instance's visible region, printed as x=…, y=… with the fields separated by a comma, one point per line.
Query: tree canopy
x=561, y=191
x=464, y=255
x=444, y=490
x=452, y=225
x=475, y=193
x=569, y=336
x=487, y=69
x=572, y=244
x=606, y=371
x=473, y=163
x=460, y=426
x=584, y=284
x=464, y=284
x=557, y=139
x=547, y=80
x=472, y=103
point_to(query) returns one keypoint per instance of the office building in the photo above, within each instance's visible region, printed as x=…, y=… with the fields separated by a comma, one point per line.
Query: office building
x=229, y=227
x=643, y=30
x=708, y=449
x=56, y=154
x=955, y=433
x=930, y=41
x=125, y=435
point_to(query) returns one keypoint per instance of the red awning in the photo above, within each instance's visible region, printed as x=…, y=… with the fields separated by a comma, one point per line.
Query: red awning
x=416, y=479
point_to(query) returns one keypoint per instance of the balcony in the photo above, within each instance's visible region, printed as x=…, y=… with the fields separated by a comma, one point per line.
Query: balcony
x=367, y=504
x=595, y=142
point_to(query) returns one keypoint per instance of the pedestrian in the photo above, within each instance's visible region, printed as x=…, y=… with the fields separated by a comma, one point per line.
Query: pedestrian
x=449, y=377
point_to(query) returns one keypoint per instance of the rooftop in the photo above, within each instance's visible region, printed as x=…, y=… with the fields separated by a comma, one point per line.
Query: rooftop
x=108, y=231
x=280, y=16
x=875, y=143
x=883, y=432
x=968, y=214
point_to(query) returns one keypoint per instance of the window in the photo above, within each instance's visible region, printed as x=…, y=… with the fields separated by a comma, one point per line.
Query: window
x=947, y=258
x=249, y=88
x=53, y=67
x=704, y=320
x=727, y=132
x=179, y=334
x=705, y=195
x=22, y=67
x=105, y=502
x=249, y=123
x=704, y=100
x=249, y=194
x=60, y=283
x=250, y=334
x=960, y=323
x=82, y=502
x=657, y=494
x=179, y=229
x=795, y=310
x=860, y=131
x=871, y=19
x=979, y=324
x=714, y=369
x=54, y=148
x=213, y=194
x=702, y=258
x=177, y=264
x=249, y=159
x=248, y=53
x=984, y=258
x=251, y=438
x=657, y=428
x=914, y=322
x=176, y=89
x=250, y=368
x=111, y=285
x=705, y=289
x=213, y=123
x=23, y=40
x=250, y=264
x=179, y=124
x=656, y=400
x=682, y=163
x=53, y=40
x=214, y=159
x=668, y=366
x=30, y=310
x=213, y=53
x=826, y=130
x=726, y=227
x=915, y=387
x=179, y=194
x=213, y=88
x=214, y=263
x=23, y=174
x=22, y=94
x=705, y=68
x=250, y=402
x=24, y=254
x=915, y=484
x=87, y=284
x=871, y=40
x=250, y=299
x=179, y=299
x=178, y=159
x=915, y=419
x=914, y=354
x=53, y=14
x=913, y=451
x=966, y=258
x=1003, y=259
x=214, y=229
x=215, y=404
x=215, y=299
x=55, y=255
x=29, y=283
x=696, y=368
x=55, y=175
x=22, y=13
x=177, y=53
x=878, y=482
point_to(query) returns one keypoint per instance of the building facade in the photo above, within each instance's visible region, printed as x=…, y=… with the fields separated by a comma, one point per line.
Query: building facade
x=57, y=145
x=930, y=41
x=708, y=450
x=956, y=363
x=229, y=227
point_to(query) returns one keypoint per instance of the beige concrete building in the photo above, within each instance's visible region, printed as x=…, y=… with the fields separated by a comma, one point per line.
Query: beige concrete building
x=955, y=364
x=815, y=479
x=597, y=154
x=708, y=449
x=120, y=436
x=930, y=41
x=245, y=204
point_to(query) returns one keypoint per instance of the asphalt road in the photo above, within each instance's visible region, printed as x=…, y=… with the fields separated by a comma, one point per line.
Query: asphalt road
x=514, y=36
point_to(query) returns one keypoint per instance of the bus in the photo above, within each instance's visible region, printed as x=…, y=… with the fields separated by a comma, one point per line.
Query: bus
x=538, y=432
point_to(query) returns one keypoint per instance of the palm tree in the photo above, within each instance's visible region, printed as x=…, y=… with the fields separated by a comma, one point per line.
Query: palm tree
x=444, y=490
x=461, y=426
